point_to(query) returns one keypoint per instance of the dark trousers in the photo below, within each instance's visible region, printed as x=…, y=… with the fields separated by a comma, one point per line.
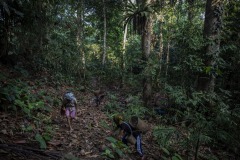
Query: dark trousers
x=138, y=144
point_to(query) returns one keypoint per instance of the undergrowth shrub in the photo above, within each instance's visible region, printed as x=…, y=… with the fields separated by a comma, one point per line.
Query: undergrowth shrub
x=134, y=107
x=19, y=97
x=117, y=149
x=202, y=121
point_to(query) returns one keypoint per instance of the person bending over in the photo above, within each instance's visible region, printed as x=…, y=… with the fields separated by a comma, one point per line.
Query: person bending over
x=126, y=130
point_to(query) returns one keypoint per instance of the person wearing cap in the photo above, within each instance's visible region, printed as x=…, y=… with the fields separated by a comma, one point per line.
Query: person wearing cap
x=127, y=131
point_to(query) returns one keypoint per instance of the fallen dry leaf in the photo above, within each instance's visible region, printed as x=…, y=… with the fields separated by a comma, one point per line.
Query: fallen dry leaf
x=74, y=135
x=93, y=156
x=54, y=143
x=20, y=141
x=86, y=153
x=4, y=131
x=82, y=152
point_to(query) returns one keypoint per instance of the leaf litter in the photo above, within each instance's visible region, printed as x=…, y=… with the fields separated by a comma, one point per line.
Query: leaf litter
x=91, y=128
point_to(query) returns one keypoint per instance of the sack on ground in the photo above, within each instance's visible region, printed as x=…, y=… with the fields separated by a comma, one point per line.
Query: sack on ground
x=139, y=124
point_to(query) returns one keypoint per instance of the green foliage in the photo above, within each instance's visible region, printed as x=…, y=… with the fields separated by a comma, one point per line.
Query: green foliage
x=48, y=131
x=112, y=106
x=108, y=153
x=176, y=157
x=21, y=98
x=134, y=107
x=163, y=135
x=117, y=149
x=56, y=102
x=136, y=15
x=173, y=140
x=18, y=95
x=167, y=138
x=201, y=124
x=41, y=141
x=44, y=127
x=104, y=124
x=28, y=128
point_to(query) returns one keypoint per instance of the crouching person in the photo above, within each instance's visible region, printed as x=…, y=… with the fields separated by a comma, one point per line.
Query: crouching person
x=69, y=108
x=129, y=134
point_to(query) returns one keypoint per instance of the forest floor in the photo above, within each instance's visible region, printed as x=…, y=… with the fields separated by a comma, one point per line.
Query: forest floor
x=86, y=141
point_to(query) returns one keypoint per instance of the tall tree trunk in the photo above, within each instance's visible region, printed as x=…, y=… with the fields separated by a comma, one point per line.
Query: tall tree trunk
x=168, y=57
x=82, y=35
x=80, y=40
x=190, y=10
x=123, y=53
x=160, y=53
x=4, y=40
x=146, y=47
x=41, y=27
x=104, y=34
x=160, y=45
x=212, y=28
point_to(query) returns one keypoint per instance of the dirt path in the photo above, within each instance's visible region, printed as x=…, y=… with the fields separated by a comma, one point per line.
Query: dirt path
x=85, y=142
x=88, y=135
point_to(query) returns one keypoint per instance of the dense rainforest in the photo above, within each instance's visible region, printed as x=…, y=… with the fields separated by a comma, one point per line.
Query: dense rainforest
x=172, y=63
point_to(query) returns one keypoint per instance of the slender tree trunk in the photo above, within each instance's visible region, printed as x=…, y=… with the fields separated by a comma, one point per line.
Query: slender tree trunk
x=104, y=34
x=41, y=27
x=190, y=10
x=80, y=30
x=4, y=40
x=146, y=47
x=82, y=48
x=160, y=48
x=160, y=55
x=212, y=28
x=168, y=57
x=124, y=45
x=123, y=53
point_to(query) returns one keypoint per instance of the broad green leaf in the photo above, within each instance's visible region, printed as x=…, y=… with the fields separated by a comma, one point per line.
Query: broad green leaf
x=104, y=124
x=165, y=150
x=26, y=110
x=42, y=142
x=29, y=128
x=47, y=137
x=177, y=156
x=119, y=152
x=111, y=139
x=174, y=158
x=208, y=69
